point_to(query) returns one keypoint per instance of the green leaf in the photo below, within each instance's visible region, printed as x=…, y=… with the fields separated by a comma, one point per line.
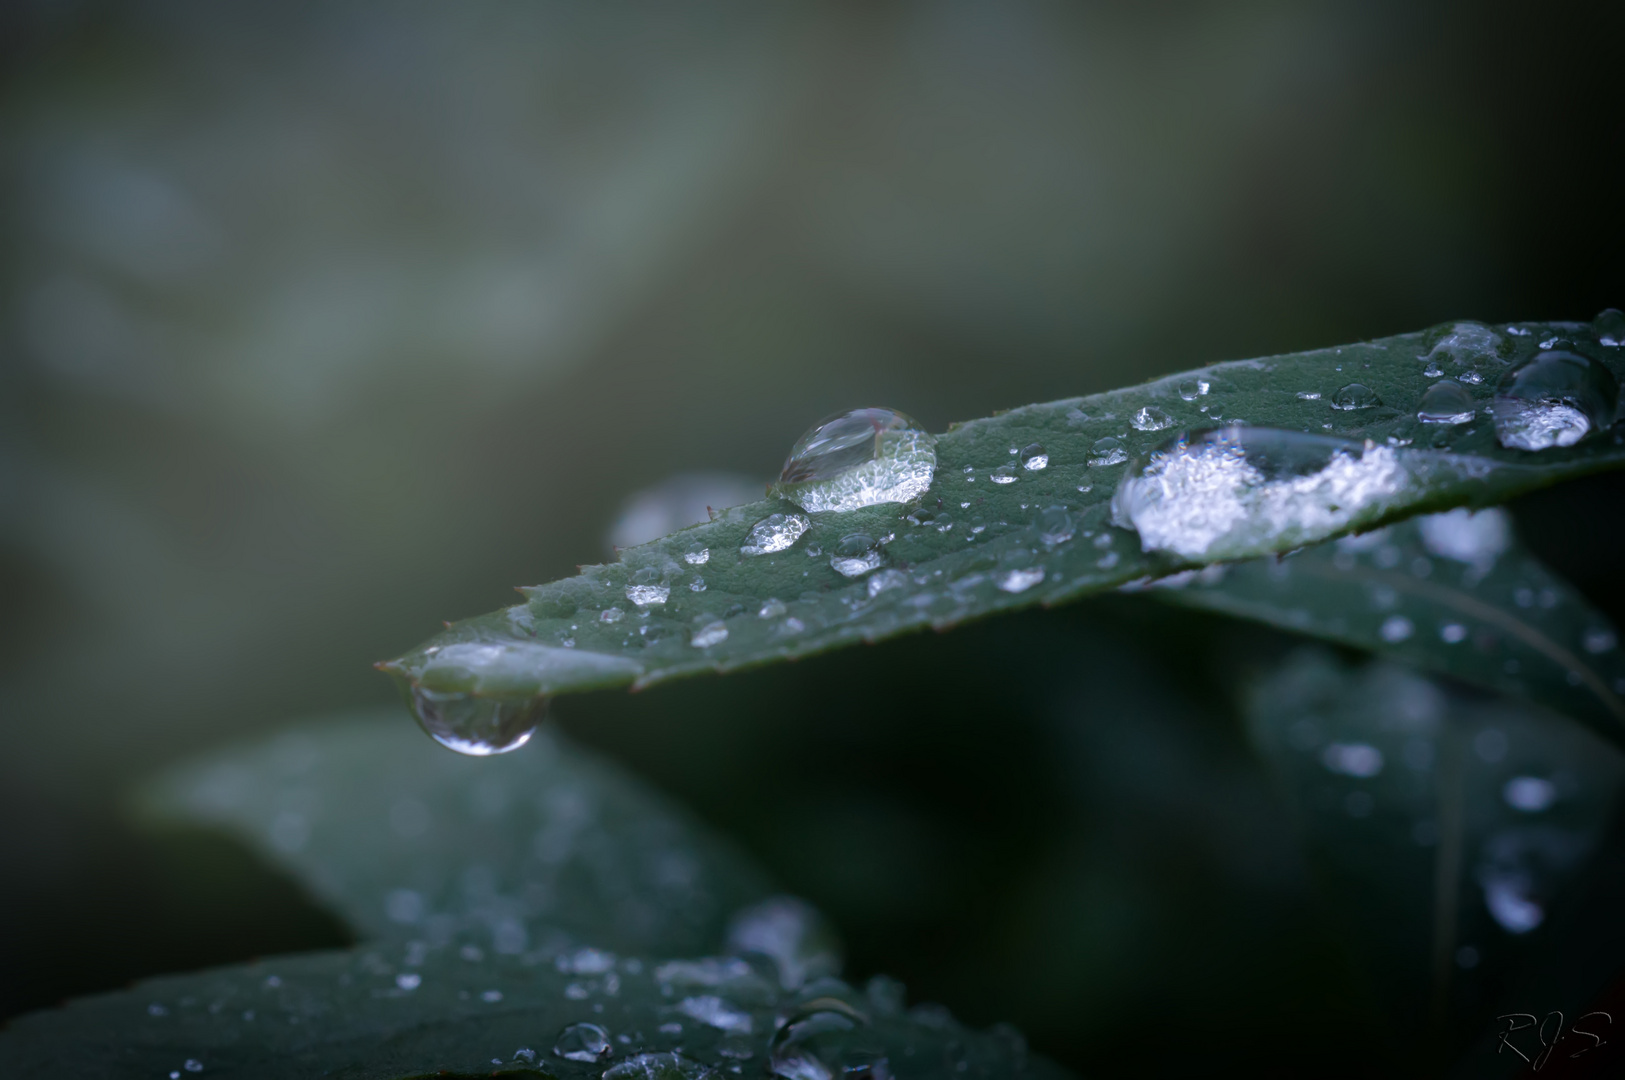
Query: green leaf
x=1452, y=593
x=971, y=546
x=1452, y=833
x=522, y=854
x=407, y=1010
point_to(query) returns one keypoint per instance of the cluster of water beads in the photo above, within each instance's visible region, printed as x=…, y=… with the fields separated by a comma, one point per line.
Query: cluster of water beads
x=478, y=726
x=1555, y=399
x=857, y=459
x=1446, y=402
x=1226, y=492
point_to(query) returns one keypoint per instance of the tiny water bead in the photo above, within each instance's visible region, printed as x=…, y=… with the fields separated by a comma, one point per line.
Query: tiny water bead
x=860, y=458
x=478, y=726
x=1020, y=579
x=711, y=632
x=1108, y=451
x=1556, y=399
x=1225, y=492
x=856, y=555
x=1004, y=474
x=1446, y=402
x=1308, y=395
x=1355, y=396
x=776, y=532
x=1151, y=418
x=1191, y=389
x=886, y=579
x=1034, y=457
x=647, y=589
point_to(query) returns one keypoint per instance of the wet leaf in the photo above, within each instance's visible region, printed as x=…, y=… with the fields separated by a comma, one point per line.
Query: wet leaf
x=401, y=1010
x=1452, y=833
x=1452, y=593
x=519, y=855
x=1017, y=515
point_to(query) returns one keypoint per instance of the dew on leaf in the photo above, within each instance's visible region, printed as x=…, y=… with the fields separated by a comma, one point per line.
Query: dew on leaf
x=860, y=458
x=856, y=555
x=1191, y=389
x=1151, y=418
x=776, y=532
x=1556, y=399
x=1610, y=327
x=709, y=634
x=1446, y=402
x=1019, y=580
x=582, y=1042
x=478, y=726
x=667, y=1066
x=1034, y=457
x=1004, y=474
x=1355, y=396
x=697, y=555
x=1108, y=451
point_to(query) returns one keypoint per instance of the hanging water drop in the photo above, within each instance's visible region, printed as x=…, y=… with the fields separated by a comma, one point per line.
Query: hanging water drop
x=1556, y=399
x=1151, y=418
x=1228, y=492
x=1108, y=451
x=856, y=555
x=1446, y=402
x=1355, y=396
x=582, y=1042
x=1034, y=457
x=478, y=726
x=776, y=532
x=857, y=459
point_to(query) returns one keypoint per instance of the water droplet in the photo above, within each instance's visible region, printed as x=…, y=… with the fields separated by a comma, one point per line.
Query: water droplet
x=790, y=932
x=1471, y=378
x=1395, y=628
x=1019, y=580
x=1309, y=395
x=1359, y=760
x=1446, y=402
x=711, y=633
x=1474, y=537
x=479, y=726
x=582, y=1042
x=192, y=1065
x=824, y=1039
x=1556, y=399
x=1227, y=492
x=886, y=579
x=1108, y=451
x=646, y=595
x=1191, y=389
x=1599, y=639
x=856, y=555
x=857, y=459
x=697, y=585
x=1055, y=526
x=1004, y=474
x=1465, y=344
x=409, y=980
x=1531, y=794
x=771, y=609
x=1610, y=327
x=776, y=532
x=656, y=1067
x=1452, y=633
x=1151, y=418
x=697, y=555
x=1034, y=457
x=1355, y=396
x=613, y=614
x=715, y=1012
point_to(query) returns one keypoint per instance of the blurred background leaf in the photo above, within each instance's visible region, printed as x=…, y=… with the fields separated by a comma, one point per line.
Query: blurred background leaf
x=314, y=315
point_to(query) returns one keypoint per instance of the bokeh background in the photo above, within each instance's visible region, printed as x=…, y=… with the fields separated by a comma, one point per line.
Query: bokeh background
x=323, y=322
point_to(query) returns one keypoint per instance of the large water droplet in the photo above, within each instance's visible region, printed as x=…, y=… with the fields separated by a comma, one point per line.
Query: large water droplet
x=1355, y=396
x=656, y=1067
x=1610, y=327
x=1108, y=451
x=1465, y=344
x=860, y=458
x=1227, y=492
x=479, y=726
x=1446, y=402
x=1034, y=457
x=1556, y=399
x=582, y=1042
x=1151, y=418
x=856, y=555
x=824, y=1039
x=776, y=532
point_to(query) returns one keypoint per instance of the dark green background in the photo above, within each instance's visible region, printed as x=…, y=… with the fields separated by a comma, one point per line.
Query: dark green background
x=324, y=322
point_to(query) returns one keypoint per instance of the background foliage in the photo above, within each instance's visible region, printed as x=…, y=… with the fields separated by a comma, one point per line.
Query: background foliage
x=322, y=323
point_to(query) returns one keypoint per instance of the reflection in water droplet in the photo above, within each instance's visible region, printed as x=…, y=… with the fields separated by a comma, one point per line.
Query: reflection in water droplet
x=856, y=555
x=711, y=633
x=1108, y=451
x=582, y=1042
x=776, y=532
x=1191, y=389
x=1446, y=402
x=1151, y=418
x=1355, y=396
x=1034, y=457
x=656, y=1067
x=1004, y=474
x=1229, y=491
x=697, y=555
x=479, y=726
x=1016, y=581
x=857, y=459
x=1556, y=399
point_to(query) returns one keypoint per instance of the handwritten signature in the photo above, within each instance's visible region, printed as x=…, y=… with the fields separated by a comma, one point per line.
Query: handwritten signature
x=1550, y=1032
